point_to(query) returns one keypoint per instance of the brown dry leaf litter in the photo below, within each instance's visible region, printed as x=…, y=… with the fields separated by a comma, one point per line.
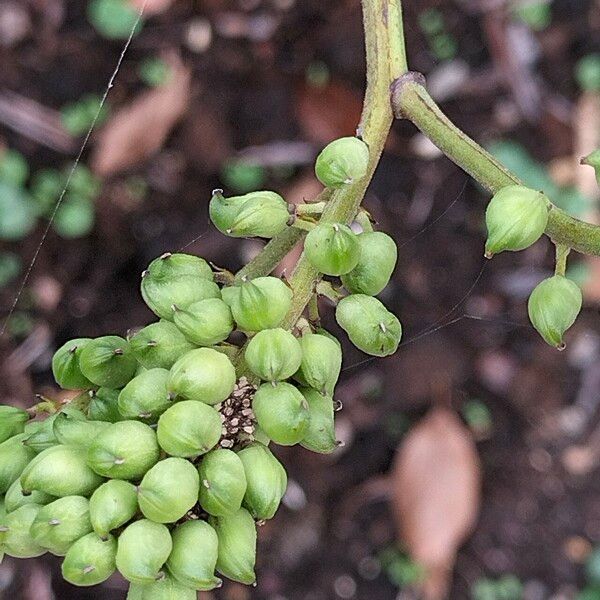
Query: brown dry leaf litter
x=435, y=495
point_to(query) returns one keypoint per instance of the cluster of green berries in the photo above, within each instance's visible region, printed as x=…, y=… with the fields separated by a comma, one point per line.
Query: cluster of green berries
x=516, y=218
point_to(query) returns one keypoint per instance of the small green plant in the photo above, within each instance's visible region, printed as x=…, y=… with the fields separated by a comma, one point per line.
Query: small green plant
x=113, y=19
x=154, y=72
x=587, y=72
x=399, y=568
x=441, y=43
x=536, y=14
x=77, y=117
x=507, y=587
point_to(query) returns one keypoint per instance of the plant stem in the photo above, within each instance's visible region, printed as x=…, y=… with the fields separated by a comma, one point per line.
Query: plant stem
x=562, y=252
x=412, y=101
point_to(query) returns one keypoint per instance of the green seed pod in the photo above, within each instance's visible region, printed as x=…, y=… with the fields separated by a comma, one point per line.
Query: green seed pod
x=516, y=218
x=321, y=362
x=159, y=345
x=70, y=430
x=202, y=374
x=58, y=525
x=320, y=436
x=104, y=405
x=259, y=304
x=60, y=471
x=195, y=569
x=39, y=435
x=369, y=325
x=342, y=162
x=126, y=450
x=593, y=160
x=169, y=490
x=12, y=421
x=166, y=588
x=189, y=429
x=274, y=354
x=222, y=482
x=177, y=279
x=267, y=480
x=553, y=307
x=90, y=560
x=332, y=248
x=107, y=361
x=205, y=323
x=112, y=505
x=14, y=458
x=378, y=255
x=237, y=546
x=16, y=538
x=15, y=498
x=143, y=549
x=281, y=412
x=145, y=396
x=65, y=365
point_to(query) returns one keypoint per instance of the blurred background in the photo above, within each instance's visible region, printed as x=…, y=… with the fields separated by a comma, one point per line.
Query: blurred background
x=475, y=449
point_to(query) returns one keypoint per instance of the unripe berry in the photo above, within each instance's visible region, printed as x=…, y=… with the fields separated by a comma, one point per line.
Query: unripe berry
x=166, y=588
x=12, y=421
x=65, y=365
x=58, y=525
x=369, y=325
x=159, y=345
x=205, y=323
x=189, y=429
x=222, y=482
x=90, y=560
x=16, y=536
x=553, y=307
x=516, y=217
x=126, y=450
x=39, y=435
x=259, y=304
x=332, y=248
x=143, y=548
x=107, y=361
x=342, y=162
x=266, y=480
x=593, y=160
x=104, y=405
x=378, y=255
x=145, y=396
x=112, y=505
x=273, y=354
x=194, y=556
x=14, y=458
x=168, y=490
x=15, y=498
x=320, y=435
x=321, y=362
x=60, y=471
x=202, y=374
x=71, y=430
x=179, y=279
x=281, y=412
x=237, y=546
x=257, y=214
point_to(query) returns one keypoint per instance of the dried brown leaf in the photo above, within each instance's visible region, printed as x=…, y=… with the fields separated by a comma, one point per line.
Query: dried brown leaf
x=435, y=495
x=152, y=7
x=140, y=129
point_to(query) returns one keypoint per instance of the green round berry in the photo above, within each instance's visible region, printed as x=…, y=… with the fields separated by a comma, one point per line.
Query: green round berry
x=15, y=498
x=16, y=537
x=206, y=322
x=332, y=248
x=282, y=412
x=112, y=505
x=166, y=588
x=553, y=307
x=342, y=162
x=145, y=396
x=14, y=458
x=107, y=361
x=321, y=362
x=273, y=354
x=104, y=405
x=159, y=345
x=369, y=325
x=39, y=435
x=65, y=365
x=320, y=435
x=12, y=421
x=90, y=560
x=70, y=430
x=593, y=160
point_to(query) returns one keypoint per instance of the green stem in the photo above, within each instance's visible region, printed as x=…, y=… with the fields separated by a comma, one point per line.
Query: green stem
x=315, y=208
x=562, y=252
x=412, y=101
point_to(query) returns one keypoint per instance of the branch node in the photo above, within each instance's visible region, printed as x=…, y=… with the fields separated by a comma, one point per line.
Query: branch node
x=398, y=85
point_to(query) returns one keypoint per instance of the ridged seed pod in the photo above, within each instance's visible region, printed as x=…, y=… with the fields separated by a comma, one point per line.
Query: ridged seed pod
x=168, y=490
x=65, y=365
x=369, y=325
x=205, y=323
x=126, y=450
x=12, y=422
x=376, y=263
x=90, y=560
x=112, y=505
x=194, y=555
x=107, y=361
x=553, y=307
x=73, y=431
x=15, y=498
x=222, y=482
x=189, y=429
x=282, y=412
x=143, y=549
x=273, y=354
x=159, y=345
x=342, y=162
x=104, y=406
x=321, y=362
x=266, y=481
x=145, y=396
x=39, y=435
x=202, y=374
x=14, y=458
x=593, y=160
x=166, y=588
x=320, y=435
x=15, y=533
x=259, y=304
x=332, y=248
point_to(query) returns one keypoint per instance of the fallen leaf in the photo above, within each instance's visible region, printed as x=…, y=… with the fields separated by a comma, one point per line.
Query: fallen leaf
x=435, y=495
x=151, y=7
x=140, y=129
